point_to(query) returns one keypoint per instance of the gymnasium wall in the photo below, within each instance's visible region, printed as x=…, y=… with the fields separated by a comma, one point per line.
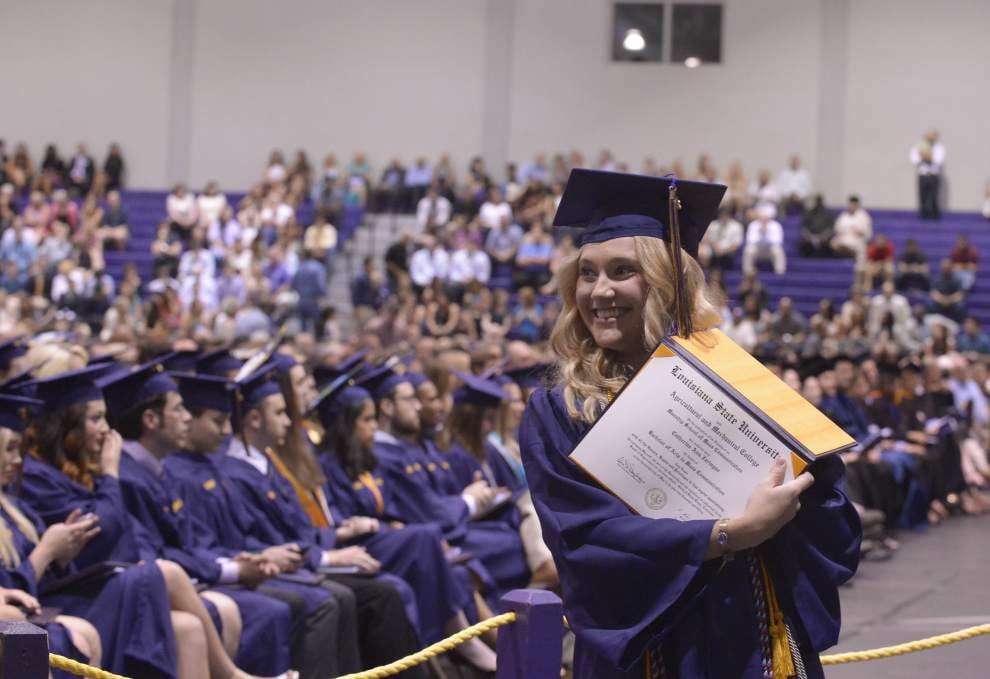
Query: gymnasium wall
x=200, y=89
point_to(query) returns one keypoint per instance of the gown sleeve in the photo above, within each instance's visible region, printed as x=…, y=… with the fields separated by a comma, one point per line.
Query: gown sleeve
x=626, y=579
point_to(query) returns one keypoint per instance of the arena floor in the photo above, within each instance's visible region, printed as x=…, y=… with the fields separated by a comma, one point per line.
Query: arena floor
x=937, y=583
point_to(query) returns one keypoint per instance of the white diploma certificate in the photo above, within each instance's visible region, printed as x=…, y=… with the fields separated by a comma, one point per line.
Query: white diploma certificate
x=675, y=445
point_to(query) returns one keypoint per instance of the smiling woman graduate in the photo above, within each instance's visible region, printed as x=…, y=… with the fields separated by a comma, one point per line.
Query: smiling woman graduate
x=661, y=597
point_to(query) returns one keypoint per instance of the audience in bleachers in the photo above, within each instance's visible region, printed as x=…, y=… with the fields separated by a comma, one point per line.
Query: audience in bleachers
x=471, y=289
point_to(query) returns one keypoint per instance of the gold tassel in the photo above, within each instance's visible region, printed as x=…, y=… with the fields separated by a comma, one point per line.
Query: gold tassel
x=681, y=312
x=783, y=663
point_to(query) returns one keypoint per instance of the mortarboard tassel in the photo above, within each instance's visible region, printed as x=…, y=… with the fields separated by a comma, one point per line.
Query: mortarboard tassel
x=681, y=312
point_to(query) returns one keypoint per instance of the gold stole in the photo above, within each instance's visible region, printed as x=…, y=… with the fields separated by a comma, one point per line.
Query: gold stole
x=312, y=501
x=369, y=482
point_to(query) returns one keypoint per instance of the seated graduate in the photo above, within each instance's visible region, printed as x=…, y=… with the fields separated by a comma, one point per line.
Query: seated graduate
x=662, y=597
x=495, y=543
x=362, y=497
x=260, y=426
x=29, y=552
x=473, y=418
x=148, y=411
x=226, y=527
x=150, y=619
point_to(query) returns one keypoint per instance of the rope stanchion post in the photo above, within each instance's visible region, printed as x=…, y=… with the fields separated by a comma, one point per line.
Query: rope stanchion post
x=23, y=650
x=531, y=647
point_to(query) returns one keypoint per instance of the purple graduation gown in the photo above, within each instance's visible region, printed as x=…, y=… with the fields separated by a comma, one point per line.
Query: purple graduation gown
x=495, y=543
x=129, y=610
x=280, y=519
x=632, y=584
x=168, y=533
x=413, y=553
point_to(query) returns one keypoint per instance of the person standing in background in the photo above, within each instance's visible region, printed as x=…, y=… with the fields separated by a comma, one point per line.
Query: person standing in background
x=928, y=157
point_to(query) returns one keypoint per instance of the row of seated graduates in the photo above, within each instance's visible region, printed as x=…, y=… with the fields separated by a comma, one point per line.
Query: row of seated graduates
x=293, y=568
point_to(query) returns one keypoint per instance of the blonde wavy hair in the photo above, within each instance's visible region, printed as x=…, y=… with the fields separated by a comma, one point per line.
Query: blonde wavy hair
x=9, y=557
x=587, y=372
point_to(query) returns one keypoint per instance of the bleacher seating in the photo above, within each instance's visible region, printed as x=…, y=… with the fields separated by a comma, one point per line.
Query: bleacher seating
x=807, y=280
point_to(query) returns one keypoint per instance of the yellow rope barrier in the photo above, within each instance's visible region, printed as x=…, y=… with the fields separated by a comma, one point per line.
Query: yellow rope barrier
x=448, y=644
x=60, y=662
x=910, y=647
x=452, y=642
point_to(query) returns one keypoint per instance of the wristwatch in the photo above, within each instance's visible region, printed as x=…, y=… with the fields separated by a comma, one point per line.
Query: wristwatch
x=722, y=537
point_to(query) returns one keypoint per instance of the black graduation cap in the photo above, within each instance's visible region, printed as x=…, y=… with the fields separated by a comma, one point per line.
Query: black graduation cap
x=530, y=376
x=382, y=380
x=607, y=205
x=352, y=365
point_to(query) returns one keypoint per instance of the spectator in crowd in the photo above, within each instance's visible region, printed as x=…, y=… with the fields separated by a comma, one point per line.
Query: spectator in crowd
x=764, y=242
x=443, y=315
x=392, y=195
x=321, y=237
x=180, y=206
x=418, y=179
x=63, y=210
x=276, y=172
x=496, y=211
x=468, y=264
x=57, y=245
x=972, y=339
x=36, y=213
x=793, y=185
x=166, y=248
x=433, y=210
x=889, y=301
x=965, y=262
x=210, y=204
x=536, y=170
x=19, y=169
x=430, y=262
x=114, y=168
x=12, y=279
x=533, y=258
x=913, y=270
x=52, y=172
x=8, y=208
x=985, y=208
x=368, y=291
x=300, y=178
x=503, y=242
x=763, y=193
x=928, y=157
x=817, y=230
x=721, y=242
x=787, y=323
x=527, y=317
x=853, y=230
x=114, y=229
x=947, y=297
x=18, y=248
x=879, y=261
x=310, y=285
x=81, y=171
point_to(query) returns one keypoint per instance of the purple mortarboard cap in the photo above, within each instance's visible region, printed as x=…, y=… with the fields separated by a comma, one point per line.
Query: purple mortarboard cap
x=257, y=386
x=218, y=363
x=206, y=392
x=324, y=375
x=478, y=391
x=11, y=349
x=530, y=376
x=381, y=381
x=18, y=384
x=334, y=400
x=68, y=388
x=180, y=361
x=416, y=379
x=13, y=410
x=282, y=363
x=124, y=391
x=607, y=205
